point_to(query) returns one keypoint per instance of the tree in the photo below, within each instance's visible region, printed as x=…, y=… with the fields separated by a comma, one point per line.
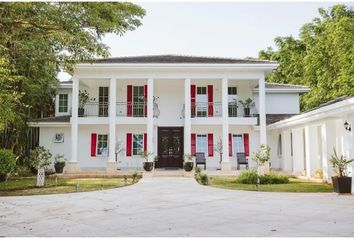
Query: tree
x=322, y=58
x=37, y=40
x=39, y=160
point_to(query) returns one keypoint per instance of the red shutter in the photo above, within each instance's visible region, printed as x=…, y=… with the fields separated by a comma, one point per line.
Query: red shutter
x=210, y=101
x=193, y=108
x=129, y=145
x=129, y=100
x=145, y=142
x=93, y=144
x=193, y=143
x=246, y=144
x=145, y=99
x=230, y=144
x=210, y=145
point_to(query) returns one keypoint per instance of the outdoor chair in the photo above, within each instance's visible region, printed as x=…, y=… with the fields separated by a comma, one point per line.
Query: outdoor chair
x=200, y=159
x=241, y=160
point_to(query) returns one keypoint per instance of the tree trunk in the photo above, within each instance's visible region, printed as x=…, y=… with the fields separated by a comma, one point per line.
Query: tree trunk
x=40, y=177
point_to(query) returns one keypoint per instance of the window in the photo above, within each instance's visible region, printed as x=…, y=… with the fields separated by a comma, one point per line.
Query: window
x=102, y=145
x=280, y=147
x=202, y=102
x=103, y=102
x=232, y=99
x=138, y=143
x=63, y=103
x=138, y=101
x=237, y=144
x=202, y=144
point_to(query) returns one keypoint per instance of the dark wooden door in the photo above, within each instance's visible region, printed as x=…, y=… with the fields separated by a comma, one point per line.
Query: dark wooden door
x=170, y=147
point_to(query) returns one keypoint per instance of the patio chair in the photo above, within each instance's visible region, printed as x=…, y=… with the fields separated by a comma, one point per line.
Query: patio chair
x=200, y=159
x=241, y=160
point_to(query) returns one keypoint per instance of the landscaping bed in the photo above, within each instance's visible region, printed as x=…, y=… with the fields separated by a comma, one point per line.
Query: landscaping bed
x=27, y=186
x=294, y=185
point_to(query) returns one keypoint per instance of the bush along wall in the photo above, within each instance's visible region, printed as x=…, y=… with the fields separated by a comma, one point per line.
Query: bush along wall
x=251, y=176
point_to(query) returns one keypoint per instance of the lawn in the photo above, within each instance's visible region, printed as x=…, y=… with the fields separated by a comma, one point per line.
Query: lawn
x=27, y=186
x=295, y=185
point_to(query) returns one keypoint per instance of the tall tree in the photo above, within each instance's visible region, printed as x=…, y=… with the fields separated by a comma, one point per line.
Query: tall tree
x=38, y=39
x=322, y=57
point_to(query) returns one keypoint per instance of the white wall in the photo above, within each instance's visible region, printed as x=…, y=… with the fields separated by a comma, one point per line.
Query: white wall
x=46, y=139
x=279, y=103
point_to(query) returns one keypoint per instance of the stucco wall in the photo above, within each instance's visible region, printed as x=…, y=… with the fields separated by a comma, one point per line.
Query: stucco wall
x=279, y=103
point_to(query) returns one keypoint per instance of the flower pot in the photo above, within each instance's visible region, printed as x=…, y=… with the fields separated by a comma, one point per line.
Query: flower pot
x=247, y=112
x=188, y=166
x=148, y=166
x=342, y=184
x=81, y=112
x=59, y=166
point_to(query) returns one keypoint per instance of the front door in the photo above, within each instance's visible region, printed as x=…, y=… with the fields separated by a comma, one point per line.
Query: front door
x=170, y=147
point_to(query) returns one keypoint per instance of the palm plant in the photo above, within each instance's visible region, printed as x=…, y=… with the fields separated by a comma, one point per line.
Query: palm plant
x=340, y=163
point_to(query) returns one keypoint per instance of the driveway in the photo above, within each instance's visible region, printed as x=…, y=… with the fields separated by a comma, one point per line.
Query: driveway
x=177, y=207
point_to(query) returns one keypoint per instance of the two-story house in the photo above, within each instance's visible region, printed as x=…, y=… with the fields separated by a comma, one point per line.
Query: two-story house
x=168, y=105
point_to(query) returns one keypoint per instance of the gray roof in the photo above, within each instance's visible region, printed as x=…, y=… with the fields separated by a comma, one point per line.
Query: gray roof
x=180, y=59
x=272, y=118
x=283, y=86
x=53, y=119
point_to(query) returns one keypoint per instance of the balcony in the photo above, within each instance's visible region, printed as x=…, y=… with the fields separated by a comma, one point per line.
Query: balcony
x=125, y=109
x=203, y=110
x=94, y=109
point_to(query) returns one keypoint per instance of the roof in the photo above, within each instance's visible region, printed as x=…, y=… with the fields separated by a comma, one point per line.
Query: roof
x=53, y=119
x=270, y=85
x=180, y=59
x=272, y=118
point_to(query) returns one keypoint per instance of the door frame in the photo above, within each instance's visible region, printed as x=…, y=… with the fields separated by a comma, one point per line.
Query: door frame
x=181, y=141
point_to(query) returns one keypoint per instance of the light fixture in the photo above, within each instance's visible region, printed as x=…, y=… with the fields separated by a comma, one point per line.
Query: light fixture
x=347, y=126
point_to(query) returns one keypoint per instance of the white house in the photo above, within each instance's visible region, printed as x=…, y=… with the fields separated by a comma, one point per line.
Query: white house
x=303, y=144
x=168, y=105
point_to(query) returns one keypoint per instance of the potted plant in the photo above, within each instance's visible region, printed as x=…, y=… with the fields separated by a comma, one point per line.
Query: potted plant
x=59, y=163
x=247, y=104
x=341, y=183
x=188, y=162
x=148, y=166
x=84, y=97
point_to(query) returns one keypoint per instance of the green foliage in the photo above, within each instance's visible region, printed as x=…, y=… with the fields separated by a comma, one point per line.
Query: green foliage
x=248, y=103
x=201, y=177
x=251, y=176
x=39, y=39
x=322, y=58
x=262, y=155
x=247, y=177
x=7, y=162
x=40, y=158
x=145, y=155
x=188, y=157
x=340, y=163
x=135, y=177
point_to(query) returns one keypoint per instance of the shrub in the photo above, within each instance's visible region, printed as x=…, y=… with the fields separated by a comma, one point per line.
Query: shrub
x=251, y=176
x=7, y=163
x=203, y=179
x=273, y=178
x=23, y=171
x=247, y=177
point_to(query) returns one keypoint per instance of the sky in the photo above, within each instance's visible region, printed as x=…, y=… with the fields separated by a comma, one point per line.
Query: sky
x=220, y=29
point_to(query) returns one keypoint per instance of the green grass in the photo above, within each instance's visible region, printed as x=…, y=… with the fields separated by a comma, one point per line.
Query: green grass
x=27, y=186
x=295, y=185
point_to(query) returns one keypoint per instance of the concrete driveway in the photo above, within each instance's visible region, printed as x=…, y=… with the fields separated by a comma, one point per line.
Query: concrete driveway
x=177, y=207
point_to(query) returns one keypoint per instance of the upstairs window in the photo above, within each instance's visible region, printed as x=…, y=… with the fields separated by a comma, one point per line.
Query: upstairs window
x=232, y=99
x=103, y=99
x=63, y=103
x=138, y=101
x=202, y=102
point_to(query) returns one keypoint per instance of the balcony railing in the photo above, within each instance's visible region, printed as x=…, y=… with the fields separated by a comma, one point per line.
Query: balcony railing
x=211, y=109
x=125, y=109
x=94, y=109
x=232, y=108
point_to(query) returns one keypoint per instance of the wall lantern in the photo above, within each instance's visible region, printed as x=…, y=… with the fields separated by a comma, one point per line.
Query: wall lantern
x=347, y=126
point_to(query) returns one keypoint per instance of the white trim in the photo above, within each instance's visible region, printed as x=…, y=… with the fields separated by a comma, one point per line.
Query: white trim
x=49, y=124
x=283, y=90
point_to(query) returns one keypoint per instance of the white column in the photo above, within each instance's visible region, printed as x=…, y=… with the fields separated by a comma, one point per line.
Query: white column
x=187, y=116
x=72, y=165
x=225, y=164
x=324, y=152
x=307, y=151
x=111, y=165
x=150, y=116
x=262, y=117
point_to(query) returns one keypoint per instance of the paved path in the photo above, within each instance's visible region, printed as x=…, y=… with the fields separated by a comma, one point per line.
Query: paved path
x=177, y=207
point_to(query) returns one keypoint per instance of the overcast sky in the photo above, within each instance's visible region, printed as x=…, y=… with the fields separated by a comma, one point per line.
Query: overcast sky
x=223, y=29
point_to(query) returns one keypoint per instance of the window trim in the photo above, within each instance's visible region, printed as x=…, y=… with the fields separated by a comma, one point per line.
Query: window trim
x=67, y=102
x=97, y=143
x=142, y=144
x=234, y=153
